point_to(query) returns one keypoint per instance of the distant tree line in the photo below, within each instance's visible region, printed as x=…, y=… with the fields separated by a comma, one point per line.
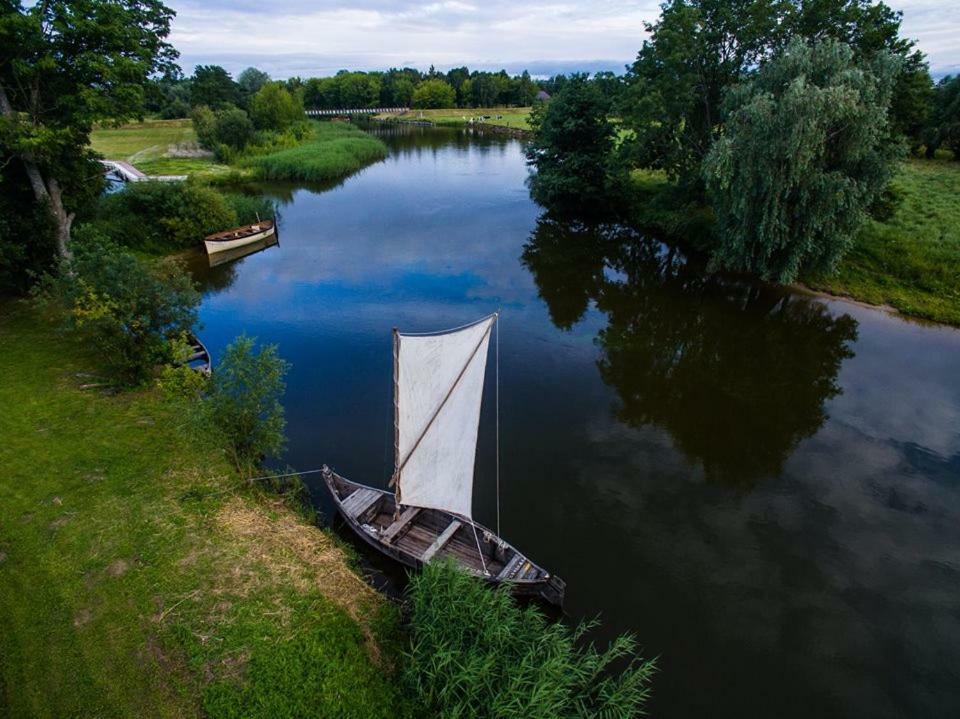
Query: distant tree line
x=173, y=95
x=784, y=117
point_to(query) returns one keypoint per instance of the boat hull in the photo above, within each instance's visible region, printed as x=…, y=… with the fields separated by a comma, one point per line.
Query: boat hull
x=215, y=246
x=474, y=547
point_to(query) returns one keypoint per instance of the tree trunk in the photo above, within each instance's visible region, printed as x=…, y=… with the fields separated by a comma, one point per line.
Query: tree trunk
x=47, y=192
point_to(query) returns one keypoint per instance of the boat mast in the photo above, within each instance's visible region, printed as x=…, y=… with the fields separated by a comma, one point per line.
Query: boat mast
x=396, y=417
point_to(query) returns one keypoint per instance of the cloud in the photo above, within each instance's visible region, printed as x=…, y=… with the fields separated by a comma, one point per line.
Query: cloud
x=297, y=37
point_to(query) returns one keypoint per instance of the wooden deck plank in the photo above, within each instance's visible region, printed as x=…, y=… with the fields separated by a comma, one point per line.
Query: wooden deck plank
x=405, y=518
x=359, y=502
x=440, y=541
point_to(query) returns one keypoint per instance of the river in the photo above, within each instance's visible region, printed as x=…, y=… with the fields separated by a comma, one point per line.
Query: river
x=763, y=487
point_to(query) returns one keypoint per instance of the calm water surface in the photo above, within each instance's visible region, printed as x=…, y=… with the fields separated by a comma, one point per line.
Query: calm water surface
x=764, y=488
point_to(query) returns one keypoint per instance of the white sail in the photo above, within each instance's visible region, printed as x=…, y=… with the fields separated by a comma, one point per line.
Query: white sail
x=439, y=386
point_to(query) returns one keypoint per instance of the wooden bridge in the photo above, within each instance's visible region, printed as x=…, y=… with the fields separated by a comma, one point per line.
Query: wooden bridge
x=356, y=111
x=128, y=173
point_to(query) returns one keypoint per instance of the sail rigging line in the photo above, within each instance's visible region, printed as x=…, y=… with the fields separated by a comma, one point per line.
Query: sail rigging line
x=436, y=412
x=479, y=551
x=438, y=333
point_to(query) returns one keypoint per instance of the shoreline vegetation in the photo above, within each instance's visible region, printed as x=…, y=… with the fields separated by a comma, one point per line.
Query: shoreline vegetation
x=516, y=118
x=908, y=261
x=141, y=575
x=330, y=150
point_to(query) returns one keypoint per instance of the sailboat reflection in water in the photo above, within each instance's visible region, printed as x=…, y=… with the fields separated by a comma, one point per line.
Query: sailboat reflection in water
x=438, y=386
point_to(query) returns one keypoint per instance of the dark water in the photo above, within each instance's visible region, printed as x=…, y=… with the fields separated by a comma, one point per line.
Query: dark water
x=765, y=488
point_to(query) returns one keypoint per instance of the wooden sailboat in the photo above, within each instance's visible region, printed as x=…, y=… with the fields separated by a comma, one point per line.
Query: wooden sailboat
x=438, y=384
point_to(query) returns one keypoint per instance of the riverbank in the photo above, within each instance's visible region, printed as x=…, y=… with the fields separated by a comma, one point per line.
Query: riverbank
x=909, y=261
x=510, y=117
x=140, y=577
x=169, y=147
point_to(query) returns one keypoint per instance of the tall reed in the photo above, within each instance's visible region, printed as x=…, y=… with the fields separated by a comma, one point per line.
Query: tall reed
x=475, y=653
x=334, y=151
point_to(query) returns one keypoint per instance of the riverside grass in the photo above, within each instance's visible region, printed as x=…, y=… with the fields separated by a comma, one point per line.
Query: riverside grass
x=909, y=261
x=139, y=576
x=334, y=150
x=474, y=652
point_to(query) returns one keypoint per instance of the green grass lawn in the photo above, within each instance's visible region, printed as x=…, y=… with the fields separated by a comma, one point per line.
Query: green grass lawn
x=139, y=577
x=912, y=260
x=511, y=116
x=147, y=144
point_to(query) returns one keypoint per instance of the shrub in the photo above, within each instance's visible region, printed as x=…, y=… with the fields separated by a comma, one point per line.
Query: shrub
x=160, y=216
x=434, y=93
x=128, y=308
x=244, y=401
x=807, y=150
x=204, y=126
x=156, y=216
x=234, y=128
x=274, y=107
x=475, y=653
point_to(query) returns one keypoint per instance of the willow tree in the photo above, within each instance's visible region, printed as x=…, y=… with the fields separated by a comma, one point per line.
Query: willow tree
x=807, y=148
x=65, y=65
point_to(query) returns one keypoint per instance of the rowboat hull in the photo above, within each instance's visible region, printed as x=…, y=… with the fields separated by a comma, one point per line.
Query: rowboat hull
x=416, y=536
x=242, y=238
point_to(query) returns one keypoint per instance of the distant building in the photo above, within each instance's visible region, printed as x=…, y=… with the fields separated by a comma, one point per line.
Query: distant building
x=543, y=96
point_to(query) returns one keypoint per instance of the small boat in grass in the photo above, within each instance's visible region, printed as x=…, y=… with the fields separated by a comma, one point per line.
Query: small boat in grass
x=438, y=383
x=239, y=236
x=199, y=357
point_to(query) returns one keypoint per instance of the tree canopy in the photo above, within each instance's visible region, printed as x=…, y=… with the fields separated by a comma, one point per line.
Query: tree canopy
x=63, y=67
x=434, y=93
x=572, y=150
x=807, y=148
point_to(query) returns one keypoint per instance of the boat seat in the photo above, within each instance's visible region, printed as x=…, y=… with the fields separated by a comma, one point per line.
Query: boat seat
x=407, y=516
x=359, y=502
x=511, y=567
x=440, y=541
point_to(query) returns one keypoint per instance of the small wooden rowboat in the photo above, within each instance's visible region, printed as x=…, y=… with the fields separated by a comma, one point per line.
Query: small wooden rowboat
x=199, y=358
x=420, y=535
x=239, y=236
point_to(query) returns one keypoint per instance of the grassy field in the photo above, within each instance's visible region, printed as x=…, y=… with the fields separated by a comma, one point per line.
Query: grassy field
x=146, y=145
x=139, y=577
x=509, y=116
x=912, y=260
x=336, y=149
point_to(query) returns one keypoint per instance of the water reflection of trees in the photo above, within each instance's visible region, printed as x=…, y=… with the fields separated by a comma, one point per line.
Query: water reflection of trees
x=737, y=374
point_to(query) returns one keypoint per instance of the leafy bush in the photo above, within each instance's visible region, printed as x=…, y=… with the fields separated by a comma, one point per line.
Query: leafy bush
x=204, y=126
x=475, y=653
x=807, y=150
x=158, y=216
x=129, y=308
x=434, y=93
x=244, y=400
x=234, y=128
x=274, y=107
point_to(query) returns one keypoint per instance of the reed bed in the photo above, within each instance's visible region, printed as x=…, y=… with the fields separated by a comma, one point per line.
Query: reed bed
x=475, y=653
x=335, y=150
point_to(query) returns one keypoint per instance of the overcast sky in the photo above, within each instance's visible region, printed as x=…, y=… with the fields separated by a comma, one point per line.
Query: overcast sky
x=319, y=37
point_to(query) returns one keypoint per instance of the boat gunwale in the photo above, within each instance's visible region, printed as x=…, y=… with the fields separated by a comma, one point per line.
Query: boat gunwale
x=407, y=557
x=240, y=232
